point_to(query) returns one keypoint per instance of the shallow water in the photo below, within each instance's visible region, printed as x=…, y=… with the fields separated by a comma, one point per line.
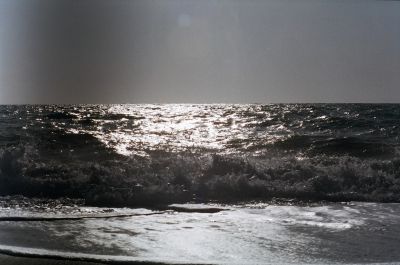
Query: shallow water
x=240, y=234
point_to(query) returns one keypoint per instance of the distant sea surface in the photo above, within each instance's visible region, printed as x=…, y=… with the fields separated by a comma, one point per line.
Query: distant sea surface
x=128, y=155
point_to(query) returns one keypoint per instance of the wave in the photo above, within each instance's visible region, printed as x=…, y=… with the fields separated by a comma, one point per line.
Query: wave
x=151, y=154
x=64, y=218
x=33, y=211
x=165, y=177
x=352, y=146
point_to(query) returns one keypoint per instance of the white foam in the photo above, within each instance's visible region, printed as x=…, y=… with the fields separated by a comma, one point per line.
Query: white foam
x=241, y=235
x=323, y=216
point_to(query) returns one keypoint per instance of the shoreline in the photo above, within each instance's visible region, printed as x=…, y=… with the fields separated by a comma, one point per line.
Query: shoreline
x=45, y=203
x=11, y=258
x=10, y=255
x=8, y=259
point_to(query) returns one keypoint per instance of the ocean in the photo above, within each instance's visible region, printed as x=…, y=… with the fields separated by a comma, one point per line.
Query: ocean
x=201, y=184
x=134, y=155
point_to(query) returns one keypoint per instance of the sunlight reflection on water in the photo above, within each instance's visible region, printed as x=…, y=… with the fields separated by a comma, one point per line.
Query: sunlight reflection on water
x=180, y=127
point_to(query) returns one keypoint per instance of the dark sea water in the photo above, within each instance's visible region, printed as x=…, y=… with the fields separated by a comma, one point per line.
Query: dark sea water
x=128, y=155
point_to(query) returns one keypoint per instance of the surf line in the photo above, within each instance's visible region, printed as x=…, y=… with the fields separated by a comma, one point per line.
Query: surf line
x=63, y=218
x=163, y=210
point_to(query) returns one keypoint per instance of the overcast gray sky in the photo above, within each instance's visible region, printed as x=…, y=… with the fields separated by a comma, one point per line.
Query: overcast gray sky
x=202, y=51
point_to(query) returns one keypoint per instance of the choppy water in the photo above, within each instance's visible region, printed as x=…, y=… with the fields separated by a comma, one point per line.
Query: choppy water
x=139, y=154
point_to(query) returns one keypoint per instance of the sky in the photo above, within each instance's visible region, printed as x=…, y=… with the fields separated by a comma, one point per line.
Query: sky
x=199, y=51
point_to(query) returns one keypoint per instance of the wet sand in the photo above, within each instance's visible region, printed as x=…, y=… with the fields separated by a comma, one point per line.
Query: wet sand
x=14, y=260
x=19, y=260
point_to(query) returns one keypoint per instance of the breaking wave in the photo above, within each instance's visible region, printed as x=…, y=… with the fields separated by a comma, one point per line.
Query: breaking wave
x=131, y=155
